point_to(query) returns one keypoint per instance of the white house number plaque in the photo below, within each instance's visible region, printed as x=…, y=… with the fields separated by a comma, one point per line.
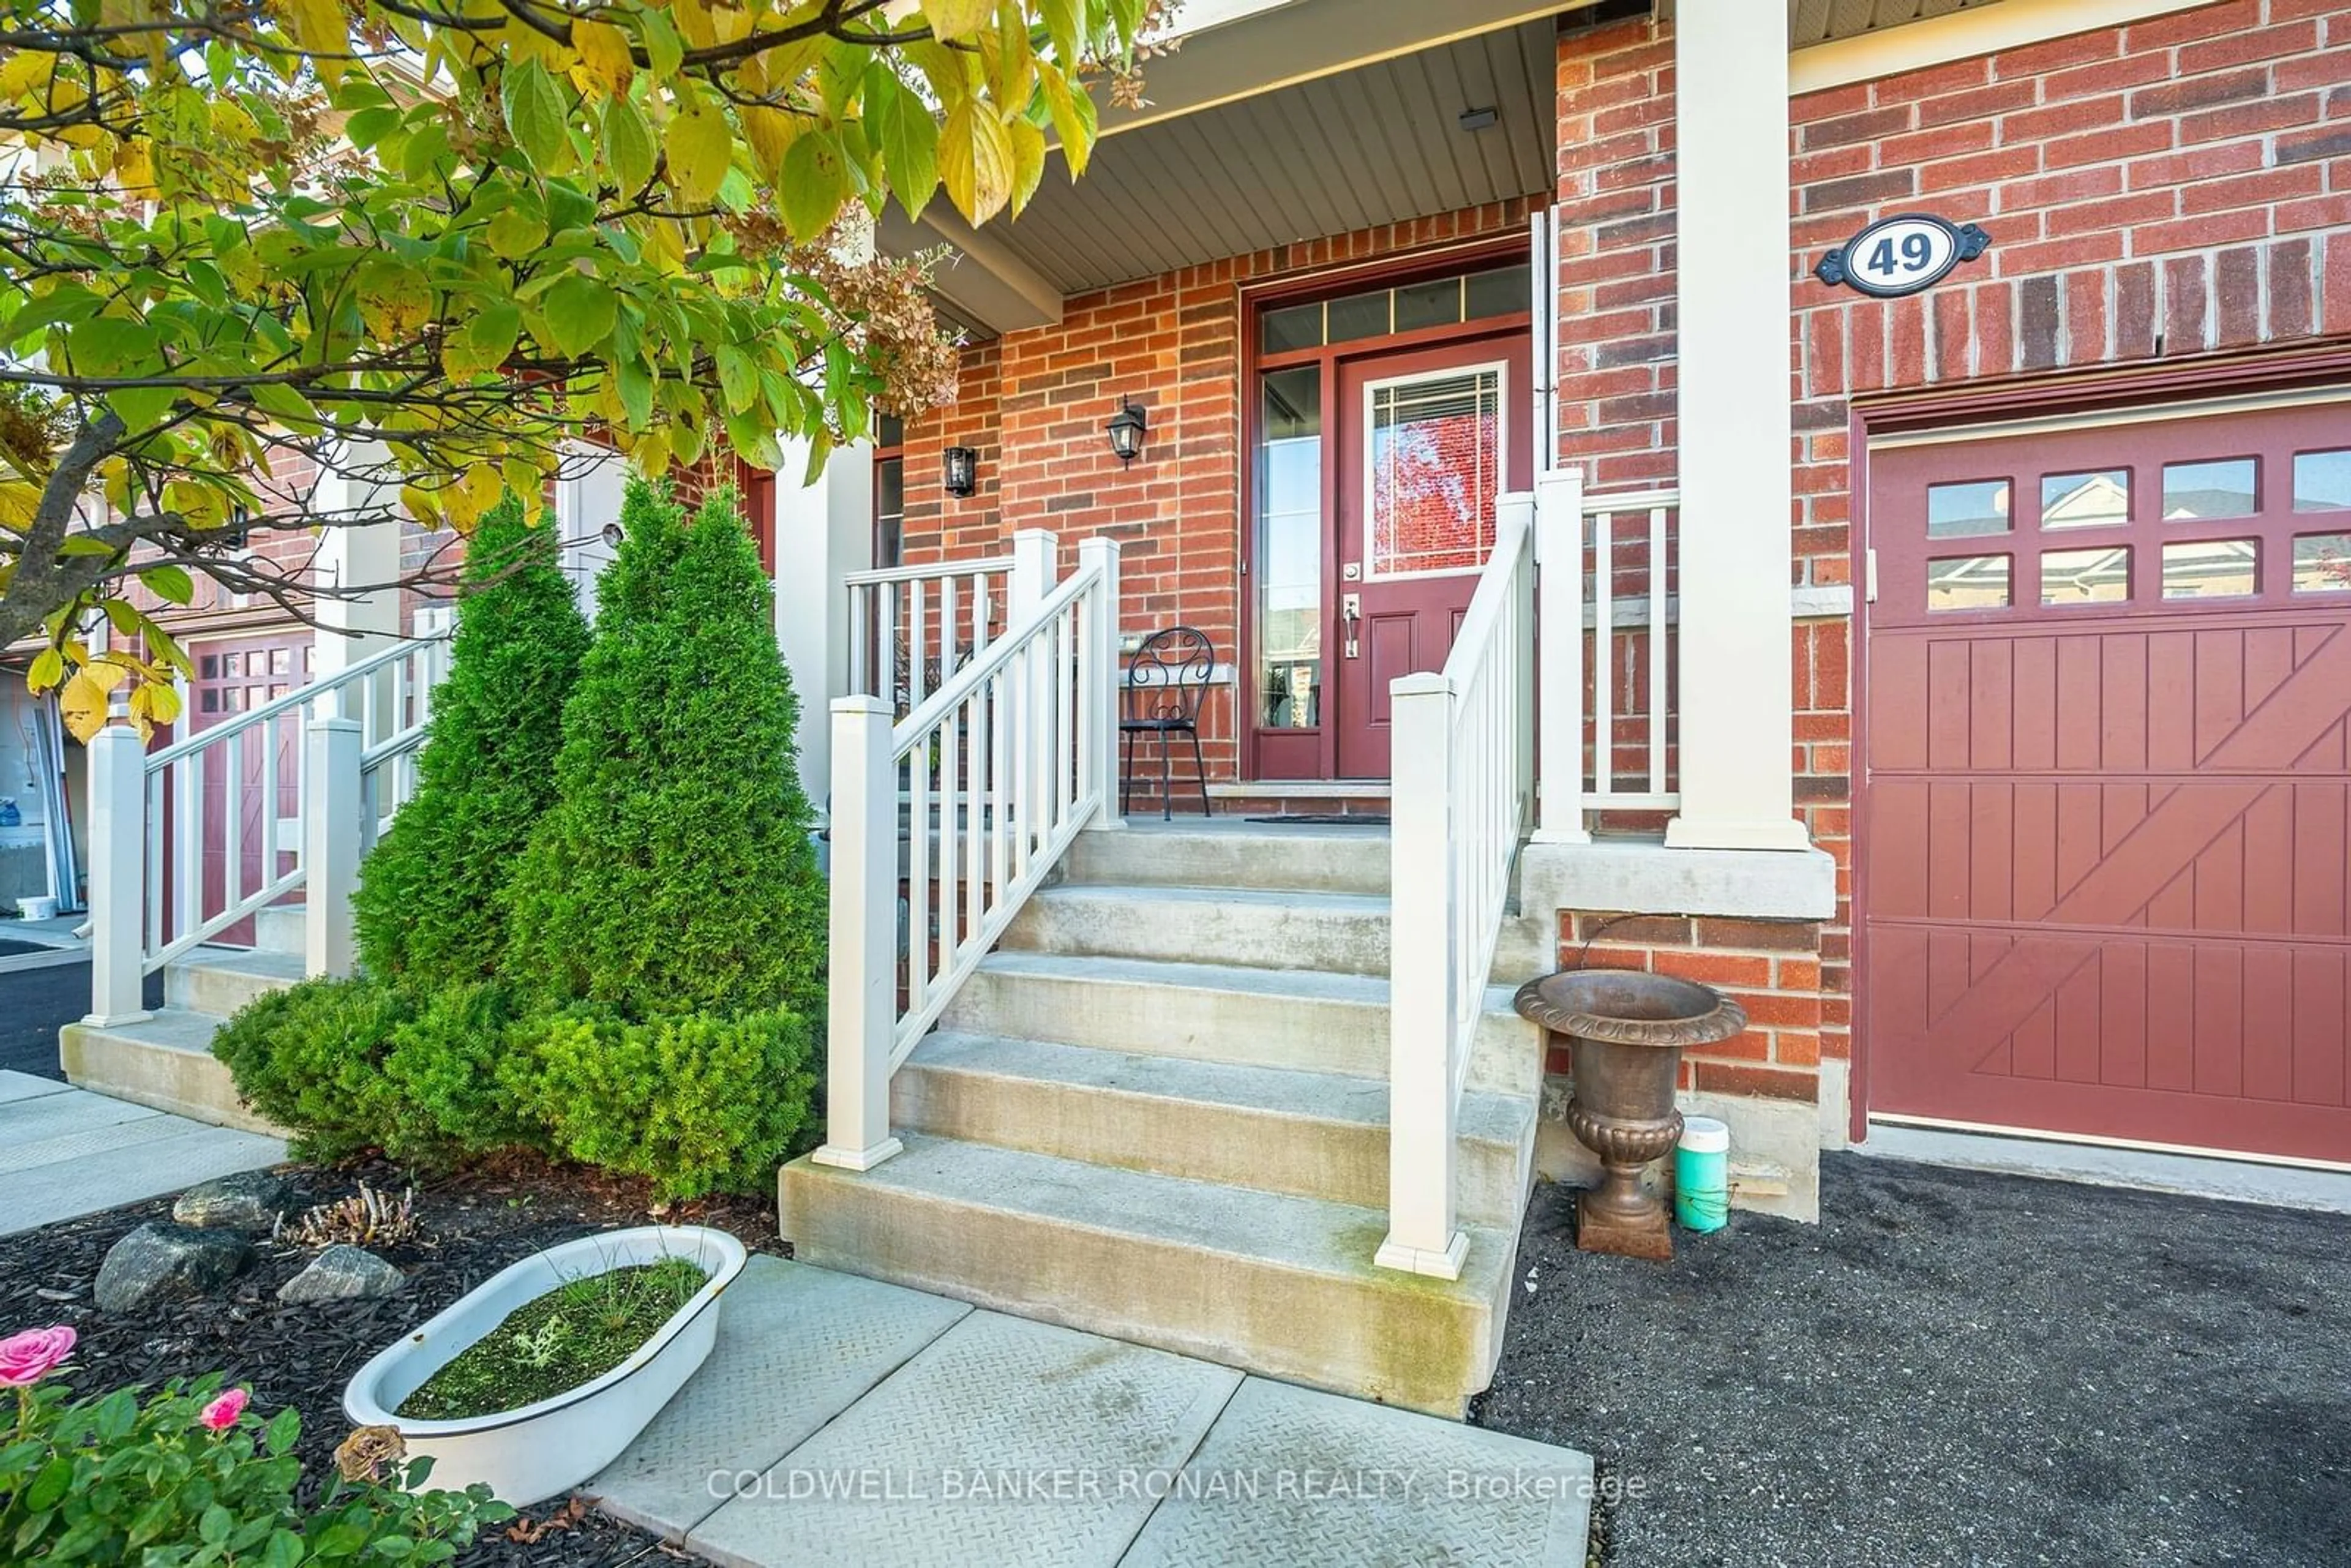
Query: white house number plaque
x=1901, y=255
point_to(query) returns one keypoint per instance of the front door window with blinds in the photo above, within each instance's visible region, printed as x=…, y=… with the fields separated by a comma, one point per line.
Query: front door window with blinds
x=1434, y=456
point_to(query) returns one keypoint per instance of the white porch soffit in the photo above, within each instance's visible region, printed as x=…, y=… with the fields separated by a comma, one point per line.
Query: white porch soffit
x=1299, y=122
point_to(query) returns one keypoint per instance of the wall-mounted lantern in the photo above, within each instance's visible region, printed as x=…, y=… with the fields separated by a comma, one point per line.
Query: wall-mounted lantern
x=1126, y=431
x=962, y=465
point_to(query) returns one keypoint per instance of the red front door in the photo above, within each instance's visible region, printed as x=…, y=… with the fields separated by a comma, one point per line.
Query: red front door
x=2109, y=784
x=1428, y=440
x=234, y=676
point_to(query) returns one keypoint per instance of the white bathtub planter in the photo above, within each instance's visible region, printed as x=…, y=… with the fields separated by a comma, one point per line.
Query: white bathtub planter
x=534, y=1452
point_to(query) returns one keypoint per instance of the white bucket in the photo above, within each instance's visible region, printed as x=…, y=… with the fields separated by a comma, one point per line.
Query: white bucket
x=41, y=908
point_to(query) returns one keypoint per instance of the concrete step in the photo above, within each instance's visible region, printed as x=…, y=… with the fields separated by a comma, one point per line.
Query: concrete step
x=1333, y=933
x=1294, y=1019
x=1278, y=857
x=1314, y=1134
x=165, y=1060
x=222, y=980
x=1267, y=1281
x=278, y=928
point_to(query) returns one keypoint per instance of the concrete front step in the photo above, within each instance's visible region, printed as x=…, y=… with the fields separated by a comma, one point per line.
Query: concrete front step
x=1213, y=1012
x=165, y=1060
x=1331, y=933
x=222, y=980
x=1314, y=1134
x=1304, y=857
x=1275, y=1283
x=280, y=929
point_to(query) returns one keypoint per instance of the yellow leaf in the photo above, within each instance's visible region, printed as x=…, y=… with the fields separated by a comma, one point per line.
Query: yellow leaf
x=420, y=504
x=700, y=146
x=693, y=23
x=975, y=161
x=319, y=27
x=1028, y=161
x=20, y=73
x=603, y=54
x=955, y=20
x=82, y=703
x=772, y=133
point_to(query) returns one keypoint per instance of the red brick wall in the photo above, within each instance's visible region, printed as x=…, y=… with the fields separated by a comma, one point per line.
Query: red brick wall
x=2178, y=187
x=1033, y=404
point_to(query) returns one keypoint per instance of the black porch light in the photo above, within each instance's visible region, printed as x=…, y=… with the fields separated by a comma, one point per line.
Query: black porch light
x=1126, y=431
x=962, y=466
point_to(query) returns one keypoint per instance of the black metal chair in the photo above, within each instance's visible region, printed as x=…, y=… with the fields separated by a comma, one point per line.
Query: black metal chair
x=1165, y=680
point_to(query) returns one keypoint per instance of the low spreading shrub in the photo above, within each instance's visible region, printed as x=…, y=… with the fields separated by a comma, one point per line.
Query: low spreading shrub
x=442, y=1071
x=187, y=1474
x=695, y=1103
x=311, y=1057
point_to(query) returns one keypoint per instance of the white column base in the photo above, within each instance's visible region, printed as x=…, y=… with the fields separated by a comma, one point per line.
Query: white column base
x=1445, y=1265
x=1560, y=836
x=115, y=1020
x=857, y=1159
x=1772, y=833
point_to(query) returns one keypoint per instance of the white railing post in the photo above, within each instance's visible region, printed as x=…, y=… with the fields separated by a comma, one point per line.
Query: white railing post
x=1101, y=695
x=862, y=1004
x=331, y=809
x=1559, y=643
x=118, y=856
x=1422, y=1237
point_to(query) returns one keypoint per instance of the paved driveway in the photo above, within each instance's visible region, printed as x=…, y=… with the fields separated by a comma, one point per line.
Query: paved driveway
x=1953, y=1368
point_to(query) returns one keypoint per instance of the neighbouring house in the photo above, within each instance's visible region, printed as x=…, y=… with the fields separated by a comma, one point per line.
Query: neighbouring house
x=1961, y=680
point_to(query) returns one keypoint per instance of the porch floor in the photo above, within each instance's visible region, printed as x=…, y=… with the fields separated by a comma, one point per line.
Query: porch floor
x=845, y=1419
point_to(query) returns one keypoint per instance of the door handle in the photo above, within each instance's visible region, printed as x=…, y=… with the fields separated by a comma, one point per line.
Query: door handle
x=1351, y=608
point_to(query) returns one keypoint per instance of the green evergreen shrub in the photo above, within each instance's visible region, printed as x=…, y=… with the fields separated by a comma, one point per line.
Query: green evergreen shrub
x=311, y=1057
x=429, y=911
x=442, y=1071
x=697, y=1103
x=674, y=874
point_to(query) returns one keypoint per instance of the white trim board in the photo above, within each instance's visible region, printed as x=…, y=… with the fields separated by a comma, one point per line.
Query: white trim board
x=1961, y=35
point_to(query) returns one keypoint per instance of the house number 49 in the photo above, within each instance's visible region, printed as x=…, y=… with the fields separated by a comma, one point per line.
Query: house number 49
x=1901, y=255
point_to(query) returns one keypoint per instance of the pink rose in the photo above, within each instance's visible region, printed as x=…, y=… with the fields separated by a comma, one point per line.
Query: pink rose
x=26, y=1358
x=222, y=1413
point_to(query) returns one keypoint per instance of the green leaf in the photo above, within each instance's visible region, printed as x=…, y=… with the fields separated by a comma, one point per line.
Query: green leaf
x=1062, y=24
x=170, y=584
x=534, y=111
x=910, y=149
x=663, y=48
x=738, y=378
x=370, y=126
x=635, y=385
x=105, y=345
x=490, y=336
x=213, y=1525
x=815, y=182
x=628, y=144
x=514, y=234
x=284, y=1551
x=581, y=312
x=142, y=408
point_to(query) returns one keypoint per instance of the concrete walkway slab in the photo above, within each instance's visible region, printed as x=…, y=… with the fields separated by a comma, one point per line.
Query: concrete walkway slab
x=796, y=1347
x=1291, y=1477
x=65, y=1152
x=981, y=1450
x=848, y=1422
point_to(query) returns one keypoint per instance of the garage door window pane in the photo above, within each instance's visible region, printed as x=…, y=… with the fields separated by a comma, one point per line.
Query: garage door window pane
x=2321, y=563
x=2085, y=577
x=2322, y=480
x=2096, y=500
x=2221, y=489
x=1965, y=510
x=2208, y=569
x=1968, y=583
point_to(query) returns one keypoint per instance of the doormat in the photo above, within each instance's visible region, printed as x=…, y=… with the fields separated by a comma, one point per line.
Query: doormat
x=1330, y=819
x=10, y=948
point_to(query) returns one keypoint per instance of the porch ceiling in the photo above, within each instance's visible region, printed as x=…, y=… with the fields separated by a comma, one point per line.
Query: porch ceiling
x=1376, y=144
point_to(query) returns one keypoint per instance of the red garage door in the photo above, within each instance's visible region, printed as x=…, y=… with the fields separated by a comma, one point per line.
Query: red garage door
x=2108, y=798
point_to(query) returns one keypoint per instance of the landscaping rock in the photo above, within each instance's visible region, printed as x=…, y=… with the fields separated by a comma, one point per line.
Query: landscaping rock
x=249, y=1200
x=161, y=1260
x=342, y=1274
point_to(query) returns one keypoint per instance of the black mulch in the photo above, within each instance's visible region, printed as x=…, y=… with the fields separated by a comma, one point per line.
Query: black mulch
x=472, y=1227
x=1951, y=1368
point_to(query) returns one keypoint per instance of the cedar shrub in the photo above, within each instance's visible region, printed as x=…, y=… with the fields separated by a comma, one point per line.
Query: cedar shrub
x=429, y=911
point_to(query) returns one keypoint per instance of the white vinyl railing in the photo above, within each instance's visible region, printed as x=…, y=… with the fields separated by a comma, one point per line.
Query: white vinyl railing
x=911, y=628
x=956, y=812
x=1609, y=746
x=1463, y=785
x=309, y=777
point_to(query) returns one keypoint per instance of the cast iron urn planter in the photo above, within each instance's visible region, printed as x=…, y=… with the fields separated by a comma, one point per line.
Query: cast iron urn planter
x=1626, y=1032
